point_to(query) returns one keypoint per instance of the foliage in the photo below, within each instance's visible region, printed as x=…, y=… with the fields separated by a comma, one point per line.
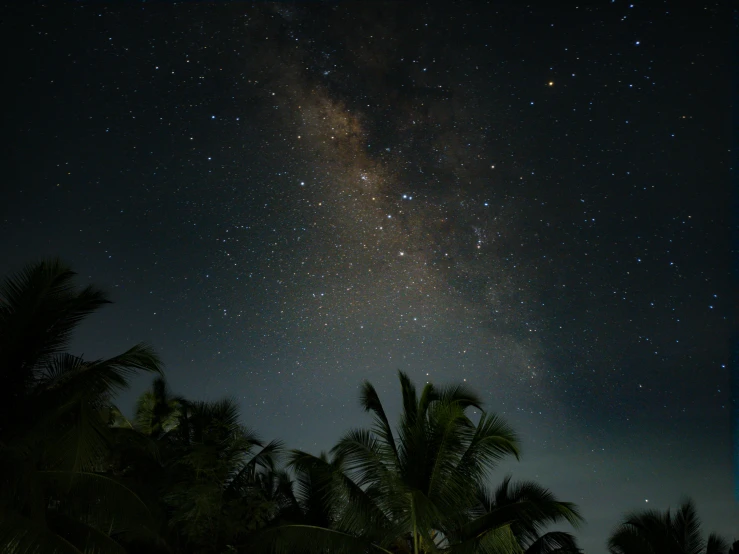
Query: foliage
x=214, y=497
x=54, y=435
x=157, y=410
x=416, y=489
x=653, y=532
x=187, y=477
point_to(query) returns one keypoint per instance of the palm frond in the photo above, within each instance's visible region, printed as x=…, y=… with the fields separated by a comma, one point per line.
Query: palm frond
x=86, y=537
x=60, y=366
x=214, y=421
x=267, y=457
x=113, y=417
x=424, y=514
x=493, y=439
x=686, y=529
x=653, y=532
x=716, y=544
x=554, y=542
x=370, y=401
x=461, y=395
x=156, y=411
x=314, y=481
x=245, y=476
x=72, y=407
x=82, y=442
x=326, y=491
x=428, y=396
x=98, y=499
x=627, y=539
x=286, y=539
x=21, y=535
x=363, y=456
x=447, y=484
x=546, y=505
x=40, y=309
x=526, y=510
x=498, y=540
x=410, y=400
x=104, y=377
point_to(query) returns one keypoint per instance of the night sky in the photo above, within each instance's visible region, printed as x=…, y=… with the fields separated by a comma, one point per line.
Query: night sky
x=286, y=200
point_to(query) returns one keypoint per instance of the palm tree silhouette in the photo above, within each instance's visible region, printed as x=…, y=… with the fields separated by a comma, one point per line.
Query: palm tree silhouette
x=55, y=409
x=653, y=532
x=415, y=490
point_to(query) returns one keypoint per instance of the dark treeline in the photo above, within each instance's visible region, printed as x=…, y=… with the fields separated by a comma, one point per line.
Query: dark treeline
x=184, y=476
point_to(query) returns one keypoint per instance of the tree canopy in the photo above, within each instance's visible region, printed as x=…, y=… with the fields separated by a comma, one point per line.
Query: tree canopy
x=184, y=476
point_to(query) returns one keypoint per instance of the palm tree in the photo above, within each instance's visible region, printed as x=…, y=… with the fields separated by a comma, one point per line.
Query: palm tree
x=215, y=487
x=653, y=532
x=309, y=494
x=209, y=481
x=157, y=410
x=53, y=420
x=303, y=497
x=413, y=491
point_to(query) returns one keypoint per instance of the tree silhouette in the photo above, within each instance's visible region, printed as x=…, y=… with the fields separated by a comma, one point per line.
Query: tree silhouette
x=416, y=490
x=54, y=433
x=653, y=532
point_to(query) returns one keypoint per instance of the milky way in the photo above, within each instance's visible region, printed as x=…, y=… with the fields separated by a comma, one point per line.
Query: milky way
x=395, y=257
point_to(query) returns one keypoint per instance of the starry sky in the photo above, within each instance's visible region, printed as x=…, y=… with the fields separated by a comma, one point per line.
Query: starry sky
x=287, y=199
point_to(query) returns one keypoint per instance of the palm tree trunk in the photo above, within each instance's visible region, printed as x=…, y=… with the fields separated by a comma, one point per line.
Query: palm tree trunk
x=415, y=525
